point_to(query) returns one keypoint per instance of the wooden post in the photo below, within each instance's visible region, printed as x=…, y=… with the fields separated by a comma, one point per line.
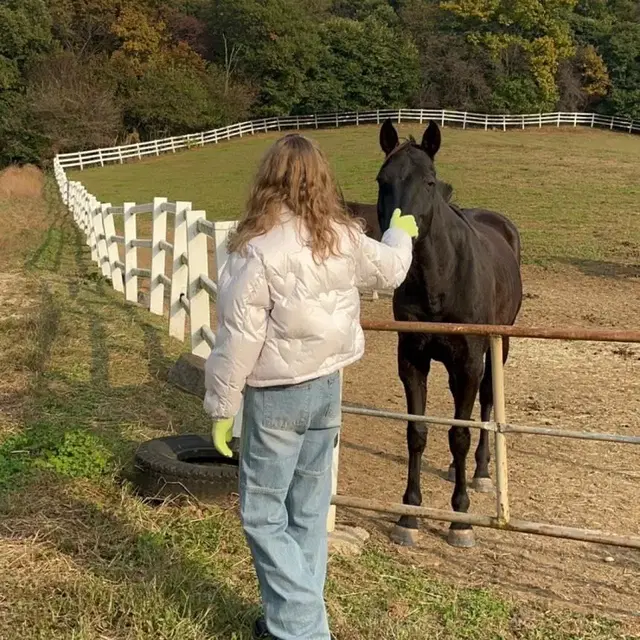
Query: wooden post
x=486, y=122
x=158, y=255
x=504, y=123
x=575, y=119
x=611, y=127
x=100, y=157
x=130, y=254
x=113, y=253
x=315, y=117
x=199, y=311
x=502, y=476
x=540, y=120
x=558, y=123
x=464, y=120
x=331, y=518
x=103, y=257
x=443, y=112
x=593, y=119
x=180, y=273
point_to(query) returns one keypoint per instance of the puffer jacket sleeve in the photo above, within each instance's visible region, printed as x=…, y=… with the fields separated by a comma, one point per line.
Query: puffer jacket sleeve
x=383, y=265
x=243, y=307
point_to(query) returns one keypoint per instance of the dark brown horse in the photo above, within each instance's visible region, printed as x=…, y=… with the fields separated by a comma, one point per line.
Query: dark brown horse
x=465, y=269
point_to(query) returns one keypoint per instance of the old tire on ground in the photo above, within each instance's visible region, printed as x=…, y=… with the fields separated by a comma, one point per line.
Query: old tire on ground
x=184, y=465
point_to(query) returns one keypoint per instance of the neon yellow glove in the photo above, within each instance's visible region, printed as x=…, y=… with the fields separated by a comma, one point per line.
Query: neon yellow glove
x=406, y=223
x=221, y=434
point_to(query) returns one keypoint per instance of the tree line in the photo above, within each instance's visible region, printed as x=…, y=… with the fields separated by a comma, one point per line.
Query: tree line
x=77, y=74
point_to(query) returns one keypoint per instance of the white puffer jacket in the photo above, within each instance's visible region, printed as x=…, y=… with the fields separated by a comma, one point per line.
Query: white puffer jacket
x=283, y=319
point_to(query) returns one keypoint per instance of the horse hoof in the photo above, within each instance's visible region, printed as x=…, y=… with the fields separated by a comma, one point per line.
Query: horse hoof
x=404, y=537
x=451, y=474
x=461, y=538
x=482, y=485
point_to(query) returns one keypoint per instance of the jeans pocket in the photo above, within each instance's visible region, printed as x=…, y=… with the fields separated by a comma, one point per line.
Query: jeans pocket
x=287, y=408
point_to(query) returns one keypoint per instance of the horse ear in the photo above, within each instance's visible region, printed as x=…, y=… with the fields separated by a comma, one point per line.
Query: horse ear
x=388, y=137
x=431, y=139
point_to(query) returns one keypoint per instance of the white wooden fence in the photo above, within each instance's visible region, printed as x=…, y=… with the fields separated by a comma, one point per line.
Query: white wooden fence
x=100, y=157
x=190, y=290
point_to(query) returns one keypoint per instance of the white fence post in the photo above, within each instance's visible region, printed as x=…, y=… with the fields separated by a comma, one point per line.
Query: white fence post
x=504, y=123
x=103, y=258
x=130, y=253
x=464, y=121
x=540, y=120
x=399, y=116
x=180, y=274
x=94, y=205
x=199, y=308
x=593, y=119
x=611, y=127
x=558, y=124
x=377, y=116
x=443, y=112
x=113, y=253
x=220, y=233
x=486, y=122
x=158, y=256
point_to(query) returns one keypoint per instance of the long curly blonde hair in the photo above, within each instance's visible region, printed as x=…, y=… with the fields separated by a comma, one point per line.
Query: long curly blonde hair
x=295, y=174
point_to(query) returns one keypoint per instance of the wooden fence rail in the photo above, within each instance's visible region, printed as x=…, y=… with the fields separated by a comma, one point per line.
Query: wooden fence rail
x=191, y=290
x=100, y=157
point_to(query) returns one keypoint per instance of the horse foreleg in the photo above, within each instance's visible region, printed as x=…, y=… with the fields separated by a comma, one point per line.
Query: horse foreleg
x=482, y=478
x=414, y=379
x=464, y=385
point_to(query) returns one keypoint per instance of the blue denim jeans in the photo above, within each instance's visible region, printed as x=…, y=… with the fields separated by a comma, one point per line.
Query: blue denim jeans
x=286, y=452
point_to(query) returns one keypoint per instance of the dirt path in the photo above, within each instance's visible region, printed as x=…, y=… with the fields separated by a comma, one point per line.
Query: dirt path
x=596, y=485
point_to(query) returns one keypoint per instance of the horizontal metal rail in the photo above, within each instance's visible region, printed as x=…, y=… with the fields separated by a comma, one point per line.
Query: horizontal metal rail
x=206, y=227
x=119, y=265
x=184, y=303
x=410, y=417
x=142, y=273
x=168, y=207
x=521, y=526
x=565, y=433
x=184, y=259
x=209, y=285
x=164, y=279
x=117, y=239
x=589, y=335
x=165, y=246
x=490, y=426
x=115, y=211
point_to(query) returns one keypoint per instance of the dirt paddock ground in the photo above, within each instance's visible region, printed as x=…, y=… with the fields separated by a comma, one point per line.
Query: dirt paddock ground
x=590, y=386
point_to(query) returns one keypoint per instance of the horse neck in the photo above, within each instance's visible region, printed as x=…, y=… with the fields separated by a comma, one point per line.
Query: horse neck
x=441, y=244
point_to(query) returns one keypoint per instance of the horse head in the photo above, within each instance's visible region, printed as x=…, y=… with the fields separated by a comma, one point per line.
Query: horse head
x=407, y=178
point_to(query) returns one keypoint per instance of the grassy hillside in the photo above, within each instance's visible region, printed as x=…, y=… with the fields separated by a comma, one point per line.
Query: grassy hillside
x=573, y=192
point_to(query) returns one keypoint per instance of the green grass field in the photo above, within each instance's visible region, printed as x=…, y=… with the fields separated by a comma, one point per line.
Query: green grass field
x=82, y=381
x=573, y=192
